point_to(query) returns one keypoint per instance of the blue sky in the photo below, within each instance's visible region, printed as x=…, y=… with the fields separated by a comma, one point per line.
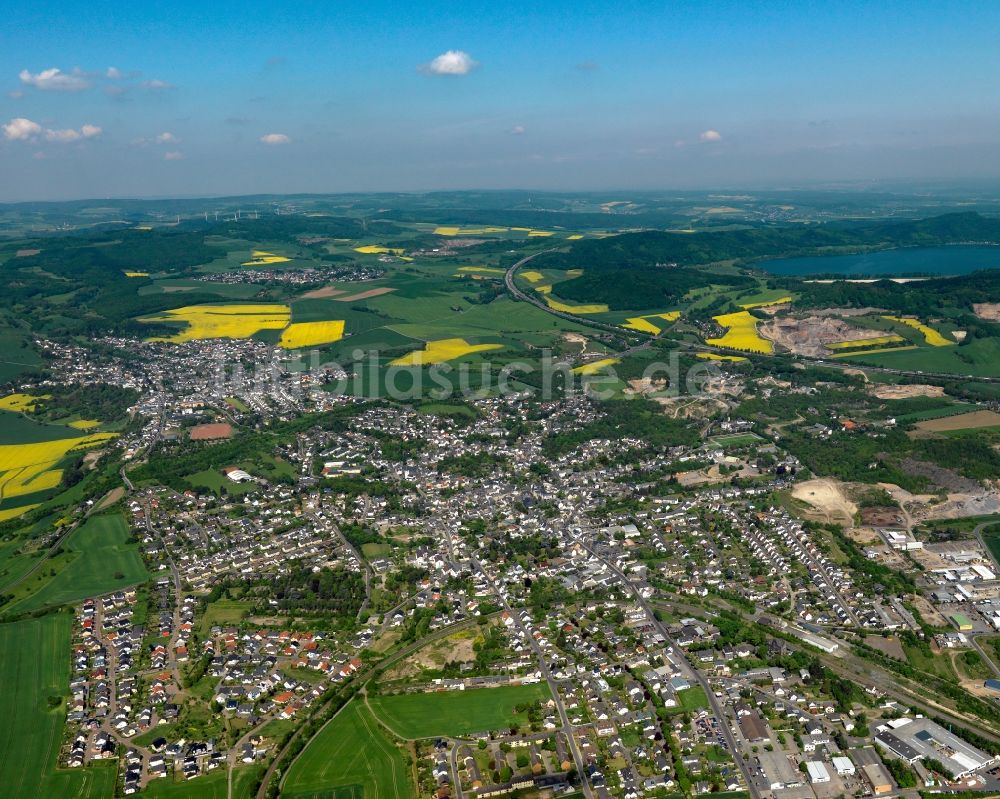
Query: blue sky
x=206, y=98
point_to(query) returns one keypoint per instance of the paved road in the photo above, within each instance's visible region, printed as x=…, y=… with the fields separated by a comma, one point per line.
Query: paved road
x=553, y=685
x=724, y=722
x=406, y=651
x=517, y=293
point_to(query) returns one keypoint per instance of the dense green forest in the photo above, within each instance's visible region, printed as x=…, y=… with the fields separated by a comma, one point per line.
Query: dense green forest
x=636, y=418
x=645, y=288
x=99, y=401
x=652, y=248
x=336, y=591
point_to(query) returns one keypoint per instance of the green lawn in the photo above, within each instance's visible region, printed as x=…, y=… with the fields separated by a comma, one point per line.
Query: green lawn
x=456, y=713
x=34, y=666
x=224, y=612
x=101, y=562
x=373, y=550
x=351, y=757
x=692, y=699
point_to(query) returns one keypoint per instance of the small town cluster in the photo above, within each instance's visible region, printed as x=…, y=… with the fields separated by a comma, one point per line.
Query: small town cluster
x=511, y=603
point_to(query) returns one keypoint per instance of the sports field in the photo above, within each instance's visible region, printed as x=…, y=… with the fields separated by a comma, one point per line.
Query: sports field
x=456, y=713
x=352, y=757
x=34, y=666
x=101, y=562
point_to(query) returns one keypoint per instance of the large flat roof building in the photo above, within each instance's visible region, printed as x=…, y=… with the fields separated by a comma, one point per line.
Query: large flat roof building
x=916, y=739
x=817, y=772
x=878, y=777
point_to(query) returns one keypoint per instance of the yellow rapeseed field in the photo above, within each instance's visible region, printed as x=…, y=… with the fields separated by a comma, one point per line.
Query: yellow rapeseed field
x=642, y=323
x=540, y=234
x=532, y=277
x=741, y=333
x=574, y=309
x=779, y=301
x=222, y=321
x=21, y=402
x=481, y=269
x=137, y=274
x=446, y=349
x=594, y=366
x=10, y=513
x=448, y=230
x=263, y=258
x=574, y=237
x=931, y=336
x=376, y=249
x=865, y=342
x=310, y=334
x=85, y=424
x=712, y=356
x=28, y=468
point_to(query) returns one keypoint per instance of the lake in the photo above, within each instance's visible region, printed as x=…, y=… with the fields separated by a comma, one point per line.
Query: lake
x=956, y=260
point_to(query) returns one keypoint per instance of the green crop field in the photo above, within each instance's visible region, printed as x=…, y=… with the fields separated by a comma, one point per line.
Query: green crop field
x=34, y=667
x=101, y=562
x=456, y=712
x=209, y=786
x=15, y=428
x=351, y=757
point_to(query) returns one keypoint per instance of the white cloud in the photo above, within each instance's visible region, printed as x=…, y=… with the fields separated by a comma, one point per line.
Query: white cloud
x=69, y=134
x=114, y=73
x=452, y=62
x=517, y=130
x=21, y=129
x=66, y=135
x=16, y=94
x=173, y=155
x=55, y=80
x=275, y=138
x=711, y=135
x=166, y=138
x=157, y=85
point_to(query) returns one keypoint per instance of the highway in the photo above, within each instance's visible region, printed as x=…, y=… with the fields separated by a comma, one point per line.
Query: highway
x=518, y=294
